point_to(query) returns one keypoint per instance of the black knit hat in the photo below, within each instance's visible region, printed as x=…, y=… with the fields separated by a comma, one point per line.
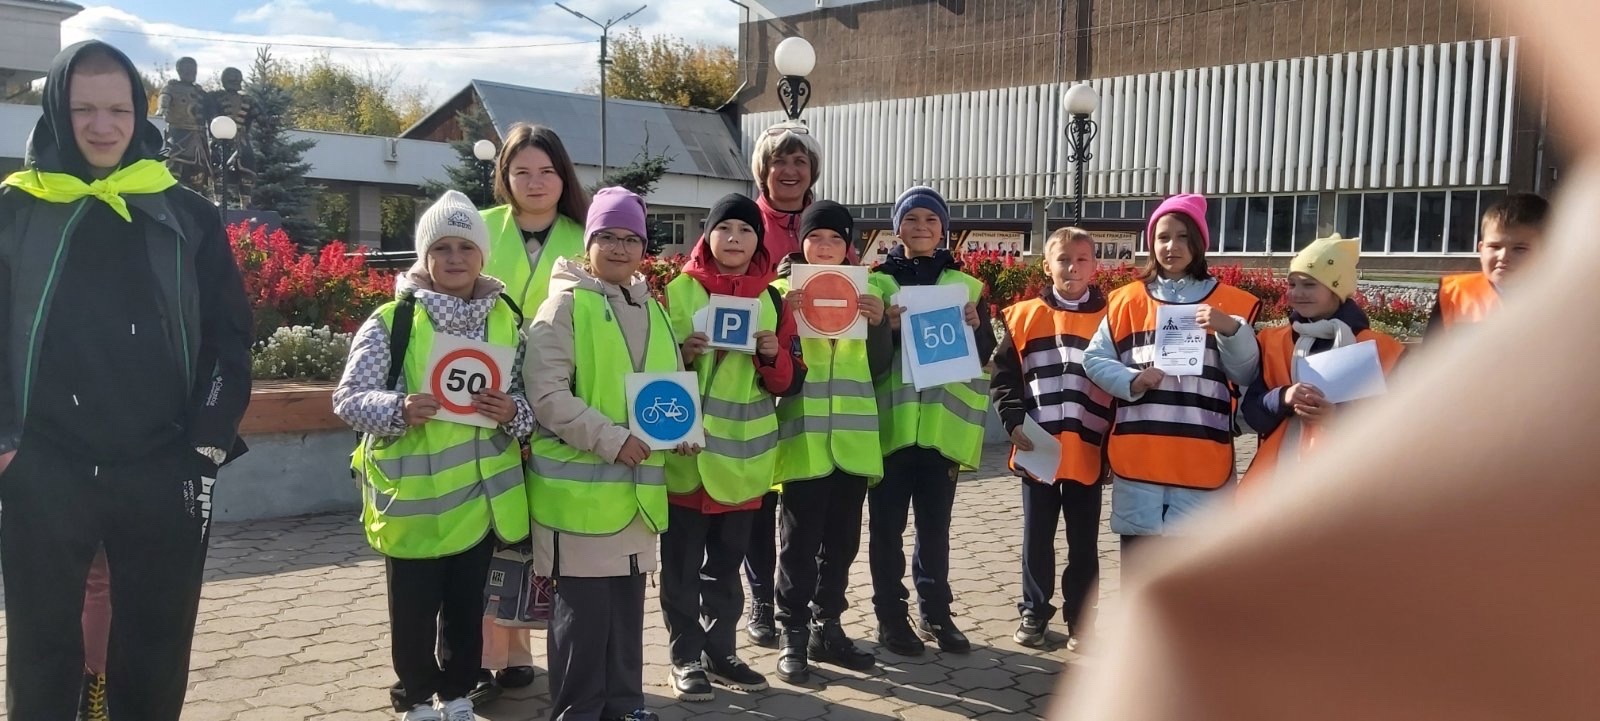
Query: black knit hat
x=736, y=207
x=827, y=215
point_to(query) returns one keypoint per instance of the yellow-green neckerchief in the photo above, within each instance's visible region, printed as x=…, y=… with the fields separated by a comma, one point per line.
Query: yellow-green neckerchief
x=144, y=177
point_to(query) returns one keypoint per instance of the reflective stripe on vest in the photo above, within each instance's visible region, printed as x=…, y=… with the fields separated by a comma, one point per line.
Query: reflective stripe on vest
x=949, y=418
x=508, y=257
x=438, y=489
x=833, y=421
x=1466, y=298
x=1059, y=395
x=740, y=417
x=1277, y=356
x=575, y=491
x=1179, y=433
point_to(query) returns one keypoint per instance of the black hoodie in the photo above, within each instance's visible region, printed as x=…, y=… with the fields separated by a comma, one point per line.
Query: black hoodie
x=926, y=270
x=109, y=385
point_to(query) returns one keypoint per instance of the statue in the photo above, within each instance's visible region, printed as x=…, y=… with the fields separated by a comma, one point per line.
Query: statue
x=183, y=104
x=237, y=159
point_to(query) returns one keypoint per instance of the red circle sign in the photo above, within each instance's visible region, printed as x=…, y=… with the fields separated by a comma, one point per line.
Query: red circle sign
x=442, y=392
x=830, y=304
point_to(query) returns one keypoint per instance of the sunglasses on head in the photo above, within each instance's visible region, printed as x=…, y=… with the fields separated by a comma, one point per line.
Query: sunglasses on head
x=777, y=130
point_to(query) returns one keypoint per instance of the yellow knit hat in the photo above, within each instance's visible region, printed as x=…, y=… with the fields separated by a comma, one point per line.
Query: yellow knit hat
x=1332, y=262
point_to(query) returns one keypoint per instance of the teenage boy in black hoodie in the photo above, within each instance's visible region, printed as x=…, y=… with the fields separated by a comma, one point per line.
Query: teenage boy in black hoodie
x=928, y=437
x=125, y=349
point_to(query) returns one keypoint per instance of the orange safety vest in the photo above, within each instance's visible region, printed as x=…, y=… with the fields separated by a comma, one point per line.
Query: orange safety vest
x=1466, y=298
x=1059, y=395
x=1179, y=433
x=1277, y=357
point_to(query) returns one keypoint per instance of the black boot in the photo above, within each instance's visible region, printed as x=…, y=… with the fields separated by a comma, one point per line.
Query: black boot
x=485, y=690
x=792, y=666
x=515, y=677
x=897, y=636
x=944, y=633
x=760, y=627
x=92, y=705
x=829, y=644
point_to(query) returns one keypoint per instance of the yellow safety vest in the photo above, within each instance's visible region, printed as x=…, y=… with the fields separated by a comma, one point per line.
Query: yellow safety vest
x=508, y=256
x=947, y=418
x=576, y=491
x=436, y=490
x=833, y=423
x=740, y=417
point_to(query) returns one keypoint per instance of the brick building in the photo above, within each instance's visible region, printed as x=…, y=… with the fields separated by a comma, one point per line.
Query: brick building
x=1394, y=120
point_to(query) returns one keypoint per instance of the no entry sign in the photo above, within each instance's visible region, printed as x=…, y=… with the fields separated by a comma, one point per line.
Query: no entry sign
x=459, y=368
x=830, y=306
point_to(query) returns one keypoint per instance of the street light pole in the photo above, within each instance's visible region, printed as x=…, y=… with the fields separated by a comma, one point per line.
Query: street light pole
x=795, y=59
x=605, y=60
x=485, y=151
x=1080, y=102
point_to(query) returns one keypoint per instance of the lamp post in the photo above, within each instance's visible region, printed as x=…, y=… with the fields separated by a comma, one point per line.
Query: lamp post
x=224, y=130
x=605, y=60
x=1080, y=102
x=795, y=59
x=484, y=151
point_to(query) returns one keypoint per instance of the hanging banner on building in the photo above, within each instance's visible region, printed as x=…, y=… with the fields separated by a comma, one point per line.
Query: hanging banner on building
x=1005, y=242
x=877, y=246
x=1115, y=245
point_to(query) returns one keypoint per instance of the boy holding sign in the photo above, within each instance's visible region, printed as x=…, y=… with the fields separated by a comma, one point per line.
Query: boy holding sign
x=714, y=498
x=1039, y=376
x=828, y=454
x=1280, y=406
x=598, y=539
x=927, y=437
x=1171, y=448
x=435, y=514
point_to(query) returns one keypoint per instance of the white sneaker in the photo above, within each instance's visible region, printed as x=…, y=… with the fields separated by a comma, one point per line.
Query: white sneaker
x=458, y=710
x=423, y=712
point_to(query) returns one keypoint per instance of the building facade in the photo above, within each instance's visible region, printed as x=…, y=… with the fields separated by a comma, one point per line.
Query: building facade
x=1392, y=121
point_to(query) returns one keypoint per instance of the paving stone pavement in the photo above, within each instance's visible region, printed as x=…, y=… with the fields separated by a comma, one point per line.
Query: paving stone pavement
x=293, y=626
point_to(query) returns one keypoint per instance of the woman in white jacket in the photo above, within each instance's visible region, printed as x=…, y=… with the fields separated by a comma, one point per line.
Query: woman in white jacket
x=597, y=492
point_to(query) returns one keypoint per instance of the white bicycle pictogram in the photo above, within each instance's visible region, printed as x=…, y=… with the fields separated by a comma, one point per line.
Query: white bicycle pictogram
x=663, y=408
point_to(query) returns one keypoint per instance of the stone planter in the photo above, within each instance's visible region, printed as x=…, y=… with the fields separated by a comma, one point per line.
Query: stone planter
x=299, y=459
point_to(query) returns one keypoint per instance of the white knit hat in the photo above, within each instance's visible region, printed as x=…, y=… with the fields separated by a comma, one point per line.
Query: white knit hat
x=452, y=216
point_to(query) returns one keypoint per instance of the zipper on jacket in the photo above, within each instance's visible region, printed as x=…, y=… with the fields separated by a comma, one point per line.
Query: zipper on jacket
x=183, y=327
x=38, y=316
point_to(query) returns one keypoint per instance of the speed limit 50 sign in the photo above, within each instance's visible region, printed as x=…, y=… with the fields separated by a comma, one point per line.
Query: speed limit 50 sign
x=459, y=368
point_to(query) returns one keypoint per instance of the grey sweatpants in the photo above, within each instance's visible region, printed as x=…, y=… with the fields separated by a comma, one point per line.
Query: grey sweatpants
x=596, y=648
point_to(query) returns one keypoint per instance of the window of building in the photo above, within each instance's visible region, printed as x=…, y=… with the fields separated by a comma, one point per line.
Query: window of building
x=1214, y=222
x=1306, y=210
x=1403, y=223
x=1282, y=237
x=1375, y=223
x=1257, y=211
x=674, y=227
x=1430, y=221
x=1431, y=218
x=1462, y=227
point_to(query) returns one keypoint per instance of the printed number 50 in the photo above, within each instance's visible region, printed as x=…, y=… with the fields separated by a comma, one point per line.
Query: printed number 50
x=935, y=336
x=460, y=379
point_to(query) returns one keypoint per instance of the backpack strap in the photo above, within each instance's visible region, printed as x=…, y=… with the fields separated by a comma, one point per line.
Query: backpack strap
x=399, y=338
x=777, y=300
x=514, y=308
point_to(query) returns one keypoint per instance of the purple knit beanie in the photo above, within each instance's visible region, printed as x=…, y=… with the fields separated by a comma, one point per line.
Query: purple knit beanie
x=615, y=208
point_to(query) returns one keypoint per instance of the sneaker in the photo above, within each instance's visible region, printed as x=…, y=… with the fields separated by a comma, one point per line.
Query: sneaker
x=829, y=644
x=459, y=710
x=639, y=714
x=792, y=666
x=92, y=707
x=898, y=637
x=1031, y=631
x=422, y=712
x=515, y=677
x=485, y=690
x=760, y=627
x=1076, y=644
x=735, y=674
x=689, y=682
x=945, y=633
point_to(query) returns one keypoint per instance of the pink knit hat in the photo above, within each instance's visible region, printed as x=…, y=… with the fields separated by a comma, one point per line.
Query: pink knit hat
x=1188, y=204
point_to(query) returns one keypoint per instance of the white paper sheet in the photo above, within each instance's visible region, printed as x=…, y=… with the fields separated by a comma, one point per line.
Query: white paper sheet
x=937, y=345
x=1045, y=459
x=1180, y=341
x=1344, y=374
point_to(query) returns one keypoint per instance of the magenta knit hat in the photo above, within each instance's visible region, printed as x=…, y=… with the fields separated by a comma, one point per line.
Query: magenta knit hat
x=615, y=208
x=1188, y=204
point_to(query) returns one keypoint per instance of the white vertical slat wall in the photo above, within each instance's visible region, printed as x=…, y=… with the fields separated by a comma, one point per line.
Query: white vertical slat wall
x=1412, y=117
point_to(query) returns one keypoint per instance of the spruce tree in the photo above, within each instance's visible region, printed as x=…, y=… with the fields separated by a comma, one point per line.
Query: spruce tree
x=281, y=183
x=641, y=177
x=471, y=176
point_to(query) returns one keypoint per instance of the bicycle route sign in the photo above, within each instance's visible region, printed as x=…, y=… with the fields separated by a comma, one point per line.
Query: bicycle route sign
x=664, y=408
x=459, y=368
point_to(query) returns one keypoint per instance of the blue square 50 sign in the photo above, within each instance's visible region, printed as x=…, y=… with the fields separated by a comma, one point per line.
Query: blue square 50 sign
x=939, y=335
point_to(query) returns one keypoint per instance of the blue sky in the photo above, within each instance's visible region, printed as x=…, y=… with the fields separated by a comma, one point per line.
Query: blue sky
x=435, y=45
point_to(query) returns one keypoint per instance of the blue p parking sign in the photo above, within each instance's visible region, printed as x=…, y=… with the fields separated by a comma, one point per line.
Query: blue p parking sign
x=731, y=326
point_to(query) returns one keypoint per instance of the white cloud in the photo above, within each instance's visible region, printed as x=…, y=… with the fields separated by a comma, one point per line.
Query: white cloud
x=298, y=17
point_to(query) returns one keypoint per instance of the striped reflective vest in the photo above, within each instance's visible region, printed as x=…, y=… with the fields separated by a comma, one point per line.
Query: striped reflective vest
x=740, y=417
x=575, y=491
x=436, y=490
x=947, y=418
x=1466, y=298
x=1277, y=356
x=833, y=423
x=508, y=256
x=1179, y=433
x=1058, y=394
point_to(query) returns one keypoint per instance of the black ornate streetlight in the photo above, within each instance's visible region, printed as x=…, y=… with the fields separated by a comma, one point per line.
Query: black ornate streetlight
x=484, y=151
x=794, y=59
x=224, y=158
x=1080, y=102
